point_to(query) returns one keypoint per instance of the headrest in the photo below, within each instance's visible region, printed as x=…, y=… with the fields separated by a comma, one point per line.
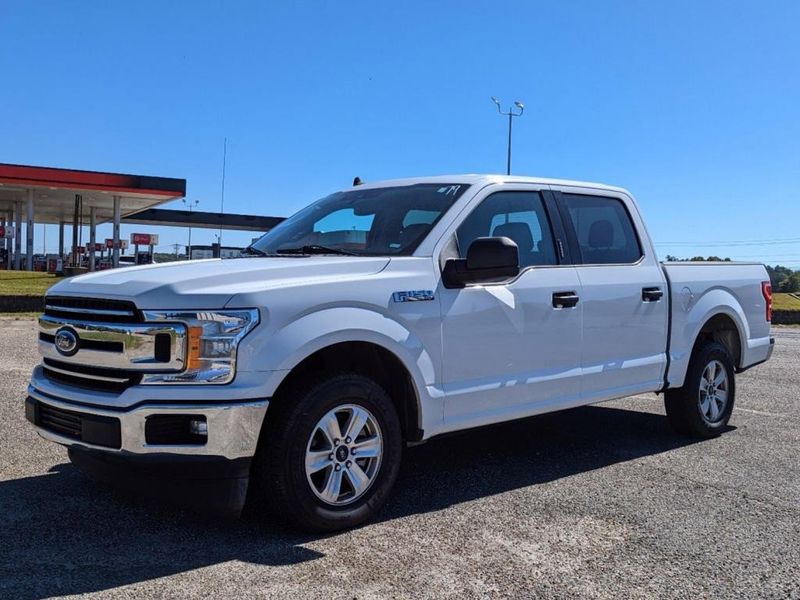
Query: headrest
x=411, y=233
x=520, y=233
x=601, y=234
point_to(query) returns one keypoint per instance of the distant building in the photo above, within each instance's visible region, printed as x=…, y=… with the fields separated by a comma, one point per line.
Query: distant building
x=199, y=252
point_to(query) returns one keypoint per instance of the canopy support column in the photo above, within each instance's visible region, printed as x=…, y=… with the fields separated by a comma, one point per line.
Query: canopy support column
x=117, y=219
x=29, y=233
x=18, y=235
x=92, y=236
x=61, y=240
x=75, y=262
x=9, y=242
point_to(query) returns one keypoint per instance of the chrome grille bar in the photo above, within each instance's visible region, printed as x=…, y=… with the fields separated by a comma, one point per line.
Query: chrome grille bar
x=139, y=344
x=107, y=312
x=88, y=375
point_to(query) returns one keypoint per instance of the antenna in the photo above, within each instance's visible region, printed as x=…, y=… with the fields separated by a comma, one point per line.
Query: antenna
x=222, y=199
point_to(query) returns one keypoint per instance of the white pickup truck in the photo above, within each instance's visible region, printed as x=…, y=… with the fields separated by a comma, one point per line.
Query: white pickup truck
x=380, y=316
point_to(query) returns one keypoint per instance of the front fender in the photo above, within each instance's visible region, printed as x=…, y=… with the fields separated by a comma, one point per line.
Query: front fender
x=289, y=346
x=689, y=317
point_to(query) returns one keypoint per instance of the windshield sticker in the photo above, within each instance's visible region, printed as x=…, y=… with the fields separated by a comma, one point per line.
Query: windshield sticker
x=449, y=190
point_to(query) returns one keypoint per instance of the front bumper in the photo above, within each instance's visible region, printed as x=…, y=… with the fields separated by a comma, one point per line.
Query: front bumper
x=233, y=427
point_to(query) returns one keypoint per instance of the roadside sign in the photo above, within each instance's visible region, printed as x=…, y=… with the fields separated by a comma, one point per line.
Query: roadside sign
x=6, y=231
x=144, y=239
x=123, y=244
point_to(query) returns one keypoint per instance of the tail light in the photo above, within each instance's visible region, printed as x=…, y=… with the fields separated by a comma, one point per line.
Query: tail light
x=766, y=291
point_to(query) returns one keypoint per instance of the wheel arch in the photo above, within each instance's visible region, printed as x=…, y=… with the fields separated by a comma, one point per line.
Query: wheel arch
x=716, y=315
x=722, y=328
x=368, y=359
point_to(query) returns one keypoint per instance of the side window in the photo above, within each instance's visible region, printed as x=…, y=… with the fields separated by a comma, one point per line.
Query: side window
x=604, y=229
x=517, y=215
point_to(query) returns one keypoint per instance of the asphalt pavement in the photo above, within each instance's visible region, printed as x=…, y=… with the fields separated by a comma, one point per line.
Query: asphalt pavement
x=597, y=502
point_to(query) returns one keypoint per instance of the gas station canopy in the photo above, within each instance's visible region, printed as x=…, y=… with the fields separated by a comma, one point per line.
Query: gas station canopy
x=54, y=190
x=47, y=195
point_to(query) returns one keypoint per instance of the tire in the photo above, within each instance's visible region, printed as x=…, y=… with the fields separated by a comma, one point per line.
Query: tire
x=300, y=425
x=695, y=409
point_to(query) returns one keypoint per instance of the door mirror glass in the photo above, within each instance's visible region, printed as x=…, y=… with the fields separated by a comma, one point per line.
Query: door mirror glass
x=489, y=260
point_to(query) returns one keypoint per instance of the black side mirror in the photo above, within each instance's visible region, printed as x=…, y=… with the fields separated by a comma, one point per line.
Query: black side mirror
x=489, y=260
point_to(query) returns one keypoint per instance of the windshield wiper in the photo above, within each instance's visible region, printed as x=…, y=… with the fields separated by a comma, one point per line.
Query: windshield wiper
x=253, y=251
x=315, y=249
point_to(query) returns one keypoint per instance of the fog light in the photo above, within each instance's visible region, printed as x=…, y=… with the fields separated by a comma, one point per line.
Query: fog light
x=176, y=430
x=198, y=427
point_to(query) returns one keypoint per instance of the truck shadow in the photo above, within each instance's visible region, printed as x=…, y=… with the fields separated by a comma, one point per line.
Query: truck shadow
x=64, y=534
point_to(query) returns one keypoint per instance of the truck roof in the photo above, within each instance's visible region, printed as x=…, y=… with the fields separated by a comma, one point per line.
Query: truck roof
x=473, y=178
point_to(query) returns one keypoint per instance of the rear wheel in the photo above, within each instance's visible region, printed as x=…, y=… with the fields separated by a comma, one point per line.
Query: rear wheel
x=703, y=406
x=330, y=452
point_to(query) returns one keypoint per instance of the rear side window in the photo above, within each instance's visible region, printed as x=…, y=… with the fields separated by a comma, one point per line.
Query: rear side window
x=519, y=216
x=604, y=229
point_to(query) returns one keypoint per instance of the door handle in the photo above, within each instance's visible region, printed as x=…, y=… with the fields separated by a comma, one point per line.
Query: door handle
x=565, y=299
x=651, y=294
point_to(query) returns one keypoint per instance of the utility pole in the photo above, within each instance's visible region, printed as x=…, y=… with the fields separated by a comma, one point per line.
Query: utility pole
x=177, y=248
x=191, y=204
x=510, y=114
x=222, y=198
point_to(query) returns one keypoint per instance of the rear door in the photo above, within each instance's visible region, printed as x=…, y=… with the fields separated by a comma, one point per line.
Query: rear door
x=508, y=348
x=624, y=301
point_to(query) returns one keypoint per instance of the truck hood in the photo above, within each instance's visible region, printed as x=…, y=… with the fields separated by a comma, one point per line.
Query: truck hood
x=212, y=283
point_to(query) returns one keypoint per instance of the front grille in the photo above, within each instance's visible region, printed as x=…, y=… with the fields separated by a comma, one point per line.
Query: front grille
x=94, y=344
x=95, y=378
x=106, y=345
x=110, y=311
x=92, y=429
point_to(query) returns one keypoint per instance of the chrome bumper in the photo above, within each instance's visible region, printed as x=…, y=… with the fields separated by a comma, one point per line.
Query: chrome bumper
x=233, y=427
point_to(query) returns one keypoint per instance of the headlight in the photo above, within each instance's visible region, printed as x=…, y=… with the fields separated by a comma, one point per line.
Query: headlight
x=211, y=340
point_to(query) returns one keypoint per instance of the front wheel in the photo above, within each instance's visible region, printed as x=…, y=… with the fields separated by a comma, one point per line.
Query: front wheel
x=703, y=406
x=331, y=452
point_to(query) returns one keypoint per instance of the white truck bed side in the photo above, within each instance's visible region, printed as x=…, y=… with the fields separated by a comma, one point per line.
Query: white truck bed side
x=700, y=290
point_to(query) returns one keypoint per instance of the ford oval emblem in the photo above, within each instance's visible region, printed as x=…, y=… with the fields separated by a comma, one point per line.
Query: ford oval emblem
x=66, y=342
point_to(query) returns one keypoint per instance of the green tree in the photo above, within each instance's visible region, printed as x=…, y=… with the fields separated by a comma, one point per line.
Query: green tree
x=793, y=282
x=783, y=279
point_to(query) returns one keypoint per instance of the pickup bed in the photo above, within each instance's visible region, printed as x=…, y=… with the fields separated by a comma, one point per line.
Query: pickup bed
x=383, y=315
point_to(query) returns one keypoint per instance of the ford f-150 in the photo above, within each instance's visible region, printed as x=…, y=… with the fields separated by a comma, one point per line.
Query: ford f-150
x=380, y=316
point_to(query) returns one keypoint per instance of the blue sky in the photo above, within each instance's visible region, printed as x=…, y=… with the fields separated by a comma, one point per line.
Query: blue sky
x=693, y=106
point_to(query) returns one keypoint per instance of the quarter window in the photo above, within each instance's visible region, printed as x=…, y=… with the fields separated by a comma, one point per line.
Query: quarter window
x=604, y=229
x=519, y=216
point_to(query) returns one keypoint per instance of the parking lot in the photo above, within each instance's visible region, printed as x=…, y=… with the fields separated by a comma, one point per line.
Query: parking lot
x=594, y=502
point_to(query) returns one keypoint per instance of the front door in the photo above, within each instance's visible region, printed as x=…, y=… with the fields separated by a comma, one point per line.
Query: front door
x=510, y=349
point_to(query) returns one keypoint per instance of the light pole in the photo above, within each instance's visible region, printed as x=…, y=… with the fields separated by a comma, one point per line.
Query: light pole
x=510, y=114
x=191, y=204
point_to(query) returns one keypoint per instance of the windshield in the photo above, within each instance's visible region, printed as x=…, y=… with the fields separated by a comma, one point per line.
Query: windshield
x=363, y=222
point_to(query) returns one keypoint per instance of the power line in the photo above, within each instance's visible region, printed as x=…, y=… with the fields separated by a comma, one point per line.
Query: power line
x=783, y=256
x=706, y=244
